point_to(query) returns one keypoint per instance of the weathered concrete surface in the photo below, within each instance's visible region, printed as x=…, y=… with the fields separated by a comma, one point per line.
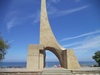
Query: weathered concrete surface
x=47, y=38
x=35, y=57
x=56, y=71
x=19, y=71
x=51, y=71
x=87, y=71
x=90, y=68
x=72, y=62
x=62, y=71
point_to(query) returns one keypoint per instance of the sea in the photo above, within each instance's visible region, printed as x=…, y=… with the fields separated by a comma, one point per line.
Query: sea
x=48, y=64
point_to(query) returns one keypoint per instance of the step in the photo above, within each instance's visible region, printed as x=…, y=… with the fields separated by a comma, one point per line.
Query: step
x=56, y=74
x=56, y=71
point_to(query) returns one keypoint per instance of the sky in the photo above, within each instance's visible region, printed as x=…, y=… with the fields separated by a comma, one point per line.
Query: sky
x=75, y=24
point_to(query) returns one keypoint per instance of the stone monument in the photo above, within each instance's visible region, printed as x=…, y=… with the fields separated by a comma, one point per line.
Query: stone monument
x=36, y=53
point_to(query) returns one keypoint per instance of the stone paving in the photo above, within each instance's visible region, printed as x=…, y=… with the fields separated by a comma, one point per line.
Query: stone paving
x=51, y=71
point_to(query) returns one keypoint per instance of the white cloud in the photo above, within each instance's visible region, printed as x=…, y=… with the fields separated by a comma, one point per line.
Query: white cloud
x=9, y=20
x=77, y=0
x=57, y=13
x=37, y=17
x=76, y=9
x=52, y=10
x=55, y=1
x=10, y=41
x=91, y=41
x=14, y=22
x=10, y=24
x=82, y=35
x=14, y=19
x=66, y=12
x=72, y=44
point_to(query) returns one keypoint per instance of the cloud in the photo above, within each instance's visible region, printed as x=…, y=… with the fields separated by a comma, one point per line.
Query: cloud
x=53, y=12
x=72, y=44
x=77, y=0
x=89, y=44
x=74, y=10
x=66, y=12
x=10, y=20
x=14, y=19
x=55, y=1
x=10, y=41
x=14, y=22
x=56, y=12
x=37, y=17
x=82, y=35
x=91, y=41
x=10, y=24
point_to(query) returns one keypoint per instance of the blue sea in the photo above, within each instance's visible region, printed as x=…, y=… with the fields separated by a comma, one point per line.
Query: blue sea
x=48, y=64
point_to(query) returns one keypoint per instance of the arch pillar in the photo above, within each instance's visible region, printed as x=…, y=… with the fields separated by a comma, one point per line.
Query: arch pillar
x=35, y=59
x=69, y=60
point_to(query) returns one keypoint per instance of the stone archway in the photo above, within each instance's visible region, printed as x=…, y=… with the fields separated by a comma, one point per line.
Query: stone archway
x=36, y=57
x=55, y=52
x=51, y=60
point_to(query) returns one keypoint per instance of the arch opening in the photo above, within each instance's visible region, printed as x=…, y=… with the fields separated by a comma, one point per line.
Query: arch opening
x=51, y=60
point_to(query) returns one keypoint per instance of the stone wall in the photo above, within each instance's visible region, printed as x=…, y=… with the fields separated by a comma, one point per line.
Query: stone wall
x=86, y=72
x=20, y=73
x=39, y=73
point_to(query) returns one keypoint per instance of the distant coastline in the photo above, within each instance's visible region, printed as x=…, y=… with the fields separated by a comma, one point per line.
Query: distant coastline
x=48, y=64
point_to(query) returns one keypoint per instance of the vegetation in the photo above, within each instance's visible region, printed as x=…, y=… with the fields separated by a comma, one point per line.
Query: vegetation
x=3, y=47
x=96, y=57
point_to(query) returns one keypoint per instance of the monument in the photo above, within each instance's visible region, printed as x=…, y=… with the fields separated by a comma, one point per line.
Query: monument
x=36, y=53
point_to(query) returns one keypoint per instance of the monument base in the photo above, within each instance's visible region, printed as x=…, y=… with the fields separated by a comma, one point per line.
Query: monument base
x=70, y=60
x=35, y=59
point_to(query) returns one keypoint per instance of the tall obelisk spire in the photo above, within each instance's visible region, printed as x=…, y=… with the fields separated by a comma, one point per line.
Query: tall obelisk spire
x=47, y=37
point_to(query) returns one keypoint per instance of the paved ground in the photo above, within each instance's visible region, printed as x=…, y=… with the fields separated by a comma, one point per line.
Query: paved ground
x=25, y=70
x=17, y=70
x=89, y=68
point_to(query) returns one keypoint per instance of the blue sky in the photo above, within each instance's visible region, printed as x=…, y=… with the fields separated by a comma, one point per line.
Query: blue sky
x=75, y=23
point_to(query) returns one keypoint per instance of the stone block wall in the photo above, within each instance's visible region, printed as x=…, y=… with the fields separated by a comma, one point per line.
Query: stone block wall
x=20, y=73
x=86, y=72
